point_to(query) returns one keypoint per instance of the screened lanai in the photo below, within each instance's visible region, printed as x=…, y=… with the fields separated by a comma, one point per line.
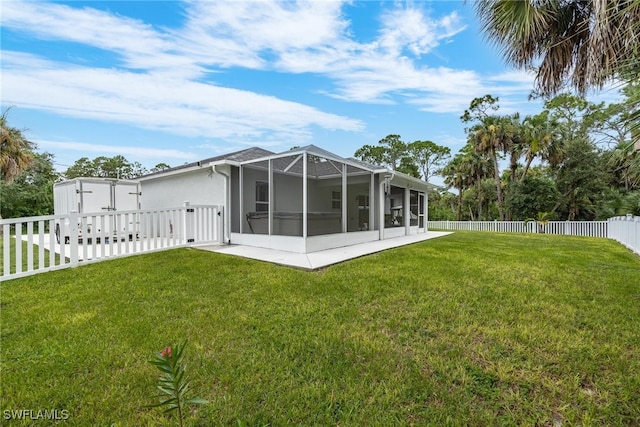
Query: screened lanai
x=309, y=199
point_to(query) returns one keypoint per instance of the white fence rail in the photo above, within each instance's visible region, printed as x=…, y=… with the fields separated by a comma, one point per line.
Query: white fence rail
x=37, y=244
x=626, y=230
x=570, y=228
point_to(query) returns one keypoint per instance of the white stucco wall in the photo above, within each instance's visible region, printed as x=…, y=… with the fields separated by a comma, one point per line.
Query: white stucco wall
x=249, y=182
x=200, y=187
x=320, y=195
x=287, y=193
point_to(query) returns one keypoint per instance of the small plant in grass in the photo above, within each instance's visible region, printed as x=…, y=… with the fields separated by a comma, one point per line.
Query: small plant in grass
x=542, y=220
x=173, y=383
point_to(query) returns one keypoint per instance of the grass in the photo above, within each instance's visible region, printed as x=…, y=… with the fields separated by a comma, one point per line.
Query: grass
x=24, y=251
x=468, y=329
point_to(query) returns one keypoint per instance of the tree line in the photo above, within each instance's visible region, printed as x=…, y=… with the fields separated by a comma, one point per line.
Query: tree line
x=417, y=159
x=588, y=164
x=27, y=176
x=574, y=160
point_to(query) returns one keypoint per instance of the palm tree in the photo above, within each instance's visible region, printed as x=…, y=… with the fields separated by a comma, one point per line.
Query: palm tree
x=456, y=175
x=583, y=43
x=15, y=150
x=517, y=146
x=542, y=220
x=631, y=203
x=495, y=135
x=540, y=139
x=479, y=168
x=577, y=43
x=625, y=162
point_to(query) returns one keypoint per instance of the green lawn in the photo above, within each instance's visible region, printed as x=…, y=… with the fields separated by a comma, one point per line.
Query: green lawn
x=468, y=329
x=24, y=252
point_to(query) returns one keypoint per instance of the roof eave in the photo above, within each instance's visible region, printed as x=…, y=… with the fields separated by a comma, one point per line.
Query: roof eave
x=225, y=162
x=413, y=179
x=171, y=172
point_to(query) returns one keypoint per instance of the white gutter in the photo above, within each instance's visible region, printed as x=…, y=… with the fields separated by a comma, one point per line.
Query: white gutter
x=225, y=162
x=169, y=173
x=388, y=176
x=180, y=170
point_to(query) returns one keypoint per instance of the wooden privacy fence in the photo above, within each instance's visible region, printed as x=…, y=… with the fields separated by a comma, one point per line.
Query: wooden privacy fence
x=38, y=244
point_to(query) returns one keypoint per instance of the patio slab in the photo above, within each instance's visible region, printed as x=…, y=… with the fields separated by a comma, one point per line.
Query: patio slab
x=320, y=259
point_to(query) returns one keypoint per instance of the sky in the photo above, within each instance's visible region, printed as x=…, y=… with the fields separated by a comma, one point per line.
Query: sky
x=175, y=82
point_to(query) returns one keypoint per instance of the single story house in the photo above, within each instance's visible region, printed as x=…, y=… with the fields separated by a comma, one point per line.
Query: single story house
x=303, y=200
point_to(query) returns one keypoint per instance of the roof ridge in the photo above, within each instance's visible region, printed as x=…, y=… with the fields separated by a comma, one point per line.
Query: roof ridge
x=234, y=154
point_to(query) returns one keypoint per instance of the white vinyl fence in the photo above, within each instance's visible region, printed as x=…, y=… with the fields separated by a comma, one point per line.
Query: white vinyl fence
x=570, y=228
x=38, y=244
x=624, y=229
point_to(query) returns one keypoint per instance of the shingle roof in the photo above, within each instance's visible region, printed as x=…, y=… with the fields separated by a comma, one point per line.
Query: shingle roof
x=237, y=156
x=244, y=155
x=320, y=162
x=365, y=164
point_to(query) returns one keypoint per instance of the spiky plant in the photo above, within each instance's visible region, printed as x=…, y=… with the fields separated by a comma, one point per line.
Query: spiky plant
x=173, y=384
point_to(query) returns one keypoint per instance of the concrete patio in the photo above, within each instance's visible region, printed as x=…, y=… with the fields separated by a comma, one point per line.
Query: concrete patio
x=320, y=259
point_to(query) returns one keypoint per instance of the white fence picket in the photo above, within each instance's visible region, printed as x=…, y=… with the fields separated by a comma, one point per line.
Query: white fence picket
x=571, y=228
x=626, y=230
x=95, y=237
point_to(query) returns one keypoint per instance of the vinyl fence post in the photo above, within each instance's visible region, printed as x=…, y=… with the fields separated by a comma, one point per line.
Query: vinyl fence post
x=188, y=223
x=73, y=238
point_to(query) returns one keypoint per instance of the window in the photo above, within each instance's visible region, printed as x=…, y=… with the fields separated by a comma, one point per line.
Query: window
x=262, y=196
x=336, y=200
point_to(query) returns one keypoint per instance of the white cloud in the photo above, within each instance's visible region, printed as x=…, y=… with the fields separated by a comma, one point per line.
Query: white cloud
x=298, y=37
x=459, y=88
x=160, y=82
x=255, y=27
x=166, y=94
x=139, y=44
x=158, y=102
x=376, y=71
x=138, y=152
x=410, y=28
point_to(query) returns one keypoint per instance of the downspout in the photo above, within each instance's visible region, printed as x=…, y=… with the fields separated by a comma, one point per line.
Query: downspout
x=227, y=202
x=388, y=176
